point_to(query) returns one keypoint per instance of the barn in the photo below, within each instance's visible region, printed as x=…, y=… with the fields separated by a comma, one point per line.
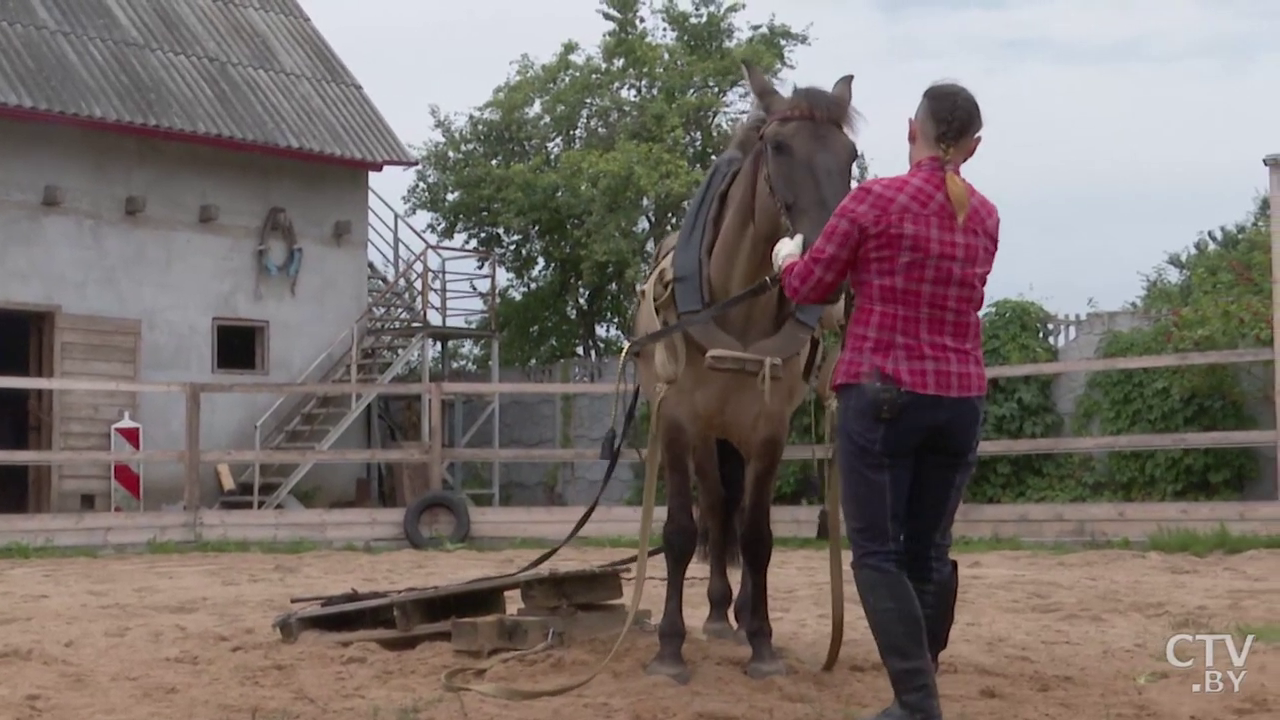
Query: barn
x=183, y=197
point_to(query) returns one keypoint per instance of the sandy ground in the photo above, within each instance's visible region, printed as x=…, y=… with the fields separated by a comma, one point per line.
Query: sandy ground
x=180, y=637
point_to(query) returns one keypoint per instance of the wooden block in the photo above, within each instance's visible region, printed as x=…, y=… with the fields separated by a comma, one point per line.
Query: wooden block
x=225, y=481
x=586, y=622
x=135, y=204
x=459, y=603
x=391, y=639
x=485, y=635
x=209, y=213
x=552, y=591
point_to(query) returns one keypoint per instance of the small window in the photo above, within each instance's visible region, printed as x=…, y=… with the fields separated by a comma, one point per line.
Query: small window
x=239, y=346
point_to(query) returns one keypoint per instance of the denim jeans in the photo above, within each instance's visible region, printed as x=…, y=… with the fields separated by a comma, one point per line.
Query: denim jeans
x=902, y=479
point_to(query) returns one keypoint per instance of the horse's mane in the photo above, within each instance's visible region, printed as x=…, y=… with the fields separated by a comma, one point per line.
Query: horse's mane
x=807, y=103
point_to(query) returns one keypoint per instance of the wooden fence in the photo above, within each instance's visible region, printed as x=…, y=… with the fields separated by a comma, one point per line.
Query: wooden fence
x=435, y=393
x=357, y=526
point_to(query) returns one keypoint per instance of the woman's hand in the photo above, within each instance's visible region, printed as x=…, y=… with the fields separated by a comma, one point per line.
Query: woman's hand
x=786, y=251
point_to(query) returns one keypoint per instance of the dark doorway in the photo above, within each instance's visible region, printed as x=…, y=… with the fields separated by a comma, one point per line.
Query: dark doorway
x=24, y=413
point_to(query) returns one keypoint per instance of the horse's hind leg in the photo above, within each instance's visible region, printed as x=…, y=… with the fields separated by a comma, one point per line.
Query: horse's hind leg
x=679, y=540
x=717, y=536
x=757, y=551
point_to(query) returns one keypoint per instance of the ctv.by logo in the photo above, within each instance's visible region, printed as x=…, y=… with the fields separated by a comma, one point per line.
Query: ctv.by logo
x=1213, y=678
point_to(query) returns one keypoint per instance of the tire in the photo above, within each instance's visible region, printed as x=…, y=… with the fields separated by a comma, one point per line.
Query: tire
x=453, y=503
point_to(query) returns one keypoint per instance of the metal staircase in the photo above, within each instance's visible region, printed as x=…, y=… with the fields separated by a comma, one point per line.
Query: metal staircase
x=380, y=346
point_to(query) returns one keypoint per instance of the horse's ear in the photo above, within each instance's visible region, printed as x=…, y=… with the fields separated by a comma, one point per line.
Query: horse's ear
x=763, y=90
x=843, y=89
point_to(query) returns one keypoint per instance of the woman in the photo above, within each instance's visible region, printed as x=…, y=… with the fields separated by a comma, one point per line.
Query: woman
x=917, y=249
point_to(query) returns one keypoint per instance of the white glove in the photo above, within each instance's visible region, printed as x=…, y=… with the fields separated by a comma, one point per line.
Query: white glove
x=786, y=250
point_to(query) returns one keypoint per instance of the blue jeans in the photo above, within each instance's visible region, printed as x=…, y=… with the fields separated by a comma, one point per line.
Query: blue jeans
x=902, y=479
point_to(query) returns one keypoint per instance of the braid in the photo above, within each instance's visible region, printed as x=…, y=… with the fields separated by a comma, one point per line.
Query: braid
x=955, y=116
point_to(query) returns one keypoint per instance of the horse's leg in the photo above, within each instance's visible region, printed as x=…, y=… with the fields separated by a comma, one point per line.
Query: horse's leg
x=715, y=529
x=679, y=540
x=757, y=551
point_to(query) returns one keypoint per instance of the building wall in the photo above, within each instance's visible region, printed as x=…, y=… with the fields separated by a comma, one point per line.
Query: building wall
x=174, y=274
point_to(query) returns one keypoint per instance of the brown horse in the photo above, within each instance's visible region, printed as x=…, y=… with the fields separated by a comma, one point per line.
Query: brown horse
x=725, y=391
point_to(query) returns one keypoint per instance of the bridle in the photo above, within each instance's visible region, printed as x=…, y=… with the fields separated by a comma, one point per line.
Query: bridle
x=760, y=163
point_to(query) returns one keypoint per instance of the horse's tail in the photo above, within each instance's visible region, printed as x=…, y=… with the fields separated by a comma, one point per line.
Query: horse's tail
x=733, y=485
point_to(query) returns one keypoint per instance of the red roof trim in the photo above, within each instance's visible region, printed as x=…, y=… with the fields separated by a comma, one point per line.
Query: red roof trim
x=196, y=139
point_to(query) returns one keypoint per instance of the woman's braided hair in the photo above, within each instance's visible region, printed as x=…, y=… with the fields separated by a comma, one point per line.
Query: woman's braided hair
x=955, y=116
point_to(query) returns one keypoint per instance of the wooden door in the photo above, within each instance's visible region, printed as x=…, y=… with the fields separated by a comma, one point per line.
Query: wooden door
x=40, y=413
x=92, y=348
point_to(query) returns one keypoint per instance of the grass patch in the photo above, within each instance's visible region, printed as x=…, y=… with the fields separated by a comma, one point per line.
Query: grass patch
x=1172, y=541
x=1200, y=544
x=1268, y=633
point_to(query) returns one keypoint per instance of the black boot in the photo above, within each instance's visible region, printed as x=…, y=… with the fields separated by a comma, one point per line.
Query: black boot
x=894, y=616
x=939, y=618
x=938, y=606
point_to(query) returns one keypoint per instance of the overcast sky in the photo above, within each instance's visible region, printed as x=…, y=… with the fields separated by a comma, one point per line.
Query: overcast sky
x=1115, y=129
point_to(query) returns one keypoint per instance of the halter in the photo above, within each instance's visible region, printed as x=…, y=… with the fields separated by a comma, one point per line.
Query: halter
x=760, y=161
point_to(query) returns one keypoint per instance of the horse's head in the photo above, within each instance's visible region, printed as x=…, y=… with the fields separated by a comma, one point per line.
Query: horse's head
x=802, y=151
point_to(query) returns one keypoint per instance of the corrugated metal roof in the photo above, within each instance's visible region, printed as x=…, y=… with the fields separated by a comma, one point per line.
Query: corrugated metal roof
x=252, y=71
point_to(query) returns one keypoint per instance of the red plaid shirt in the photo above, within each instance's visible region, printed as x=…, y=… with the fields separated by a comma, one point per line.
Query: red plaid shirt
x=918, y=281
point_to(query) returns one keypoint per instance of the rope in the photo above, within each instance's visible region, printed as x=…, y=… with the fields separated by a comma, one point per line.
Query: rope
x=765, y=378
x=277, y=219
x=452, y=678
x=835, y=564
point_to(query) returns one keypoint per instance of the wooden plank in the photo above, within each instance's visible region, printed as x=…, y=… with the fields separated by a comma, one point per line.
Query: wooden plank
x=93, y=411
x=225, y=481
x=97, y=368
x=101, y=453
x=71, y=399
x=1142, y=362
x=80, y=441
x=84, y=485
x=424, y=631
x=100, y=353
x=100, y=338
x=73, y=426
x=99, y=323
x=191, y=476
x=554, y=592
x=358, y=525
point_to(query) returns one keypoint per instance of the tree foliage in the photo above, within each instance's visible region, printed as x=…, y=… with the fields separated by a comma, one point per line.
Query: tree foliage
x=1014, y=331
x=1215, y=295
x=576, y=166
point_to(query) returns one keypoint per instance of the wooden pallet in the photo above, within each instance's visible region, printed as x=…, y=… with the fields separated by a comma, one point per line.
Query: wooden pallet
x=569, y=604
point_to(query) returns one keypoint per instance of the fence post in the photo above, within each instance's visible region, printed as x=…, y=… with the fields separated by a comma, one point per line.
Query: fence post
x=1273, y=168
x=191, y=494
x=435, y=455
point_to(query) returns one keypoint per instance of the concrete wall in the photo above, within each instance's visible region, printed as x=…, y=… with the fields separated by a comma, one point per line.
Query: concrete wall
x=530, y=421
x=175, y=274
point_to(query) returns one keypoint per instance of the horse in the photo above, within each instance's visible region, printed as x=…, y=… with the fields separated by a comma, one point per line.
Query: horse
x=723, y=392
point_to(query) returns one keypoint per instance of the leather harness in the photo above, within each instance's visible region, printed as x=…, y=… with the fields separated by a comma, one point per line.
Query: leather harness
x=689, y=269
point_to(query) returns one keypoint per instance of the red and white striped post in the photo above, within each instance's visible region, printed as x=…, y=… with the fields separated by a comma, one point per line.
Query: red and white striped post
x=126, y=477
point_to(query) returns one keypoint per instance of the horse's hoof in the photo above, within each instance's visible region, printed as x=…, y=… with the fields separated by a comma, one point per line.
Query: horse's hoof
x=677, y=671
x=761, y=669
x=720, y=631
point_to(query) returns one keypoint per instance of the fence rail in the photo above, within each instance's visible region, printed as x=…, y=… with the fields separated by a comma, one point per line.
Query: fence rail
x=1074, y=522
x=193, y=457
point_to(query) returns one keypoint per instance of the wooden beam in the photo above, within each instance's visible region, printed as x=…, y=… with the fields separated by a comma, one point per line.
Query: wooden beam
x=1046, y=522
x=1272, y=163
x=531, y=388
x=1164, y=441
x=191, y=490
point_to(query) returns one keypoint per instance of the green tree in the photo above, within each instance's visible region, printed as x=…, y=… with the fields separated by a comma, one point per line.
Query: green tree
x=1014, y=332
x=1215, y=295
x=575, y=167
